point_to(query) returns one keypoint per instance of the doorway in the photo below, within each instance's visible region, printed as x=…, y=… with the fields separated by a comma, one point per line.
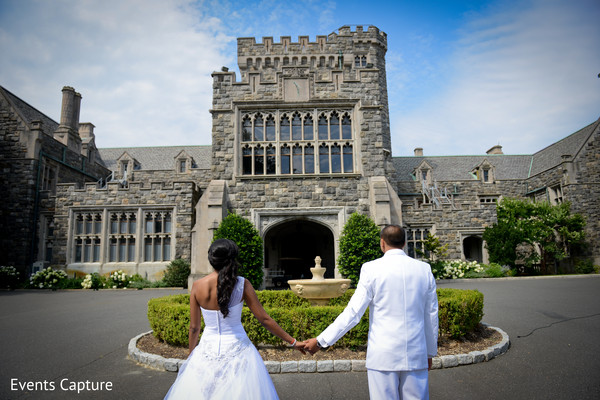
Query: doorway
x=473, y=248
x=291, y=248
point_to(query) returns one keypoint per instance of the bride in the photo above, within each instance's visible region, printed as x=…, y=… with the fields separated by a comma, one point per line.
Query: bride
x=225, y=364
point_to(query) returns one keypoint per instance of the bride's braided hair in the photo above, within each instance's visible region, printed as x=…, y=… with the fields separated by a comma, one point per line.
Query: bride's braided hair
x=222, y=255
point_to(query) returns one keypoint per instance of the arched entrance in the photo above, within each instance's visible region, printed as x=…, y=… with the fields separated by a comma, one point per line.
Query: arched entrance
x=291, y=248
x=473, y=248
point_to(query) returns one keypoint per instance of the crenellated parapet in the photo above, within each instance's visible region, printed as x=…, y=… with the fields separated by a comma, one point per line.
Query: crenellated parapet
x=346, y=49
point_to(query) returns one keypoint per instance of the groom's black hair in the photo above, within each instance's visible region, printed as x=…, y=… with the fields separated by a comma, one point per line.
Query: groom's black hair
x=394, y=236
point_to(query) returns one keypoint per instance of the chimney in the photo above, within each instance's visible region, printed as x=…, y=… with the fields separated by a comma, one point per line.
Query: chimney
x=497, y=149
x=67, y=131
x=86, y=130
x=71, y=102
x=419, y=152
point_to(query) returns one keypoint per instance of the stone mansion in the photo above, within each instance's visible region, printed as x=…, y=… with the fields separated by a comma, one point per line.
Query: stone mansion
x=299, y=143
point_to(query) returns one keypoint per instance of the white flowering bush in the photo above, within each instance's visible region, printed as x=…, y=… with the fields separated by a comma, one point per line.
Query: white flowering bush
x=92, y=281
x=9, y=277
x=455, y=269
x=118, y=279
x=47, y=278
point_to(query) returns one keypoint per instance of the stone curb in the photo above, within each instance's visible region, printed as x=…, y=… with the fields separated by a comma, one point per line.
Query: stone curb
x=309, y=366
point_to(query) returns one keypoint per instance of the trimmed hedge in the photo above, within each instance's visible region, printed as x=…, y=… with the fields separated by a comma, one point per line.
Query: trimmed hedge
x=460, y=311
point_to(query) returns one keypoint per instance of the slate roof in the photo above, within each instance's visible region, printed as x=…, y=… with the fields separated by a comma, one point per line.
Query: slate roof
x=551, y=156
x=157, y=158
x=30, y=113
x=458, y=168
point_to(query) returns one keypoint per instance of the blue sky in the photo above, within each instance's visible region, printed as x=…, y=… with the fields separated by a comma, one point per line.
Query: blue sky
x=462, y=76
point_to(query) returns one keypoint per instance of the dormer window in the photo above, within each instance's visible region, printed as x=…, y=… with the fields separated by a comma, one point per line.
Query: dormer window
x=484, y=172
x=182, y=166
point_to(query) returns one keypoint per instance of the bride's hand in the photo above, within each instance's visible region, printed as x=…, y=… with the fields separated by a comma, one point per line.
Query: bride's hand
x=300, y=347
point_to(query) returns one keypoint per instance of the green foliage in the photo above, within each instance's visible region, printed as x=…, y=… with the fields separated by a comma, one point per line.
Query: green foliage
x=585, y=266
x=433, y=250
x=494, y=270
x=169, y=318
x=533, y=233
x=93, y=281
x=243, y=233
x=138, y=282
x=117, y=280
x=359, y=243
x=71, y=283
x=9, y=277
x=47, y=279
x=177, y=273
x=460, y=312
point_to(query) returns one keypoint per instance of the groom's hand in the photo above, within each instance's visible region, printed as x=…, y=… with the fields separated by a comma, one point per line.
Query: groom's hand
x=311, y=346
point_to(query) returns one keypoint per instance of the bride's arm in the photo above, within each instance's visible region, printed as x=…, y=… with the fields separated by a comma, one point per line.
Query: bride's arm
x=265, y=319
x=195, y=318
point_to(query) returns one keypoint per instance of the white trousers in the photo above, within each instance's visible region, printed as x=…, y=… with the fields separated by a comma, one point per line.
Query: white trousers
x=398, y=385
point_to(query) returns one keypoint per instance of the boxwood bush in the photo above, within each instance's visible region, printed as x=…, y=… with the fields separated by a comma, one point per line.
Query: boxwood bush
x=460, y=311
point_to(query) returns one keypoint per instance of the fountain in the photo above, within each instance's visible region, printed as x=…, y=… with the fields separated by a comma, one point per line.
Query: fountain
x=319, y=290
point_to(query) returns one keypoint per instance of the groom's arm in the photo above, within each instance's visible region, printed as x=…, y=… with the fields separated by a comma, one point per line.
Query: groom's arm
x=348, y=319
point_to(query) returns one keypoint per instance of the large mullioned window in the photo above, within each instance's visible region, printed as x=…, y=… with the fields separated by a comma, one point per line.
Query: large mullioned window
x=128, y=235
x=297, y=142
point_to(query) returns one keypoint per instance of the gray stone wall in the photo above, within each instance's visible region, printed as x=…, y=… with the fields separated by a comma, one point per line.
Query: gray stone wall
x=180, y=197
x=584, y=193
x=333, y=82
x=20, y=146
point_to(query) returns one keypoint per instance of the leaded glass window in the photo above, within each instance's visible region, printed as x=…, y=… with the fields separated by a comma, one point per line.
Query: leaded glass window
x=286, y=142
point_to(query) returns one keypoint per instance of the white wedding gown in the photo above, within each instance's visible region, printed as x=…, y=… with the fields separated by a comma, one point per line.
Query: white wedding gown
x=225, y=364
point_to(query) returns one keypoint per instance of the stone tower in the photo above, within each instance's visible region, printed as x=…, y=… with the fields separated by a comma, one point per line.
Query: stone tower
x=301, y=142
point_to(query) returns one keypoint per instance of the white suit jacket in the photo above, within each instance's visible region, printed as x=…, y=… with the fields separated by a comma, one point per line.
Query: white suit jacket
x=403, y=321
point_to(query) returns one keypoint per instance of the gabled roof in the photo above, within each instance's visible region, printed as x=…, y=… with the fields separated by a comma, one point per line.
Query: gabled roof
x=551, y=156
x=457, y=168
x=30, y=113
x=157, y=158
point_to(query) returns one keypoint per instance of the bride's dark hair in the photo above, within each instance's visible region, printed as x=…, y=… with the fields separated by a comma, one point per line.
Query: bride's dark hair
x=222, y=255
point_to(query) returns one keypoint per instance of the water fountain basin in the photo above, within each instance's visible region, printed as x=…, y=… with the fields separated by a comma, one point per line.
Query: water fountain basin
x=319, y=290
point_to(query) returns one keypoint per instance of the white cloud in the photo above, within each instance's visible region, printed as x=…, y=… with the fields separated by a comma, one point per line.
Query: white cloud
x=142, y=67
x=521, y=77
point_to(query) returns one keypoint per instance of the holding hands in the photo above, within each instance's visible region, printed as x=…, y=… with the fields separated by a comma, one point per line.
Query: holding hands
x=309, y=345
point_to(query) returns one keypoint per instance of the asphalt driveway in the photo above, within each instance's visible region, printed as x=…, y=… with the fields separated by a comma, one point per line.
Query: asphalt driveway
x=73, y=345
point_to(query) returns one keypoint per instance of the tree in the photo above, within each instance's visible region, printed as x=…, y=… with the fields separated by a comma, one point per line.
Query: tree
x=549, y=231
x=245, y=235
x=433, y=250
x=359, y=244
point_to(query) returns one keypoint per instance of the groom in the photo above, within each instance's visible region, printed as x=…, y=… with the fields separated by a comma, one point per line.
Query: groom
x=403, y=321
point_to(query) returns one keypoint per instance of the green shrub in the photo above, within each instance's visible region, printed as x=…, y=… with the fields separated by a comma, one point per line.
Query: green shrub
x=138, y=282
x=9, y=277
x=48, y=278
x=585, y=266
x=71, y=283
x=359, y=244
x=460, y=312
x=117, y=280
x=494, y=270
x=93, y=281
x=177, y=273
x=169, y=318
x=243, y=233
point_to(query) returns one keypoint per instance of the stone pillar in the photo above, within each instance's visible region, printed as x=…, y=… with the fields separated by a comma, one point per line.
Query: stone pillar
x=210, y=211
x=386, y=206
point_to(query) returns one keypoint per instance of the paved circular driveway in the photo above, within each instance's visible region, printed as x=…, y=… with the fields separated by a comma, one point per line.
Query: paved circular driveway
x=51, y=342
